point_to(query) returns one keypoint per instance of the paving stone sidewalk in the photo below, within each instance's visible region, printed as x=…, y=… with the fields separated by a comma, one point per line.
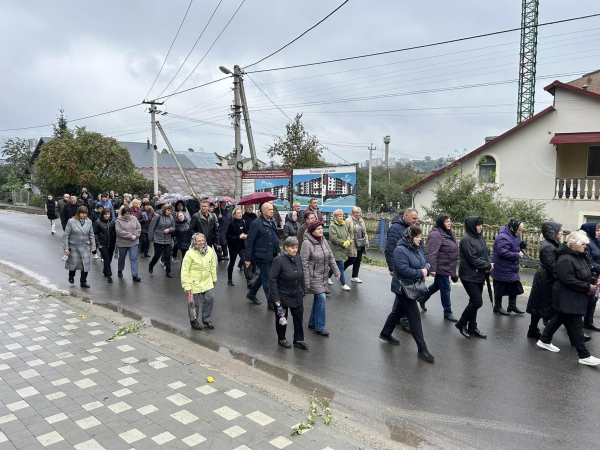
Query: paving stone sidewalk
x=62, y=385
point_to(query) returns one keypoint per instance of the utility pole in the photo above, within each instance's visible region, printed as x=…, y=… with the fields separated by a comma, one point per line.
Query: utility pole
x=237, y=113
x=371, y=148
x=183, y=174
x=154, y=148
x=247, y=123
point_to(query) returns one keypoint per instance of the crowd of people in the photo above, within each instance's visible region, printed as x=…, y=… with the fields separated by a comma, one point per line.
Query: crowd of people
x=564, y=292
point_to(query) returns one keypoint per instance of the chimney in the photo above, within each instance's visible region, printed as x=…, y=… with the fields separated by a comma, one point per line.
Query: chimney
x=191, y=150
x=585, y=86
x=489, y=139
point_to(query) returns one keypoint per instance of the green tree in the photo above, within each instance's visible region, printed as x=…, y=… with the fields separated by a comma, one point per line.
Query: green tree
x=386, y=187
x=83, y=159
x=61, y=130
x=17, y=152
x=467, y=195
x=298, y=149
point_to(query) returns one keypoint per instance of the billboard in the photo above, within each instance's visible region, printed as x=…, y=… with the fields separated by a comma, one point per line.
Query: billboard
x=276, y=182
x=334, y=187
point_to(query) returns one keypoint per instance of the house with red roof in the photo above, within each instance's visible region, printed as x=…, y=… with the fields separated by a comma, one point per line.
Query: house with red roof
x=554, y=158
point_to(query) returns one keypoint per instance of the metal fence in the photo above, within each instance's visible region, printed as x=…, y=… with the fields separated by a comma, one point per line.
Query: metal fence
x=378, y=225
x=26, y=198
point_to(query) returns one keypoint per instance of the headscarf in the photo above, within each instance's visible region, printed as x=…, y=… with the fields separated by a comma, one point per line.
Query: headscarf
x=194, y=245
x=439, y=223
x=407, y=237
x=513, y=225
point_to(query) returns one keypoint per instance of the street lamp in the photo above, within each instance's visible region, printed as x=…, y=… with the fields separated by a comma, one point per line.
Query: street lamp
x=225, y=70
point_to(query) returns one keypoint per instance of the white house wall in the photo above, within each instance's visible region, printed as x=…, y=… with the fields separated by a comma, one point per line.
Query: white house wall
x=526, y=161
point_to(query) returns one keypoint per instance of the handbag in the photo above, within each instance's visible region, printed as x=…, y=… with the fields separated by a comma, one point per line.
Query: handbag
x=361, y=243
x=414, y=291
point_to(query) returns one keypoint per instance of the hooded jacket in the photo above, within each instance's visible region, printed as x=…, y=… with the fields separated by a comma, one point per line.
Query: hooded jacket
x=317, y=259
x=593, y=248
x=287, y=281
x=572, y=281
x=540, y=298
x=126, y=229
x=198, y=272
x=506, y=256
x=409, y=259
x=443, y=250
x=185, y=212
x=394, y=235
x=338, y=235
x=159, y=223
x=474, y=254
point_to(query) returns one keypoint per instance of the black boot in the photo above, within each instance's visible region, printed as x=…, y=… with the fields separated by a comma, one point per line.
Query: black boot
x=591, y=326
x=499, y=309
x=534, y=333
x=512, y=306
x=461, y=326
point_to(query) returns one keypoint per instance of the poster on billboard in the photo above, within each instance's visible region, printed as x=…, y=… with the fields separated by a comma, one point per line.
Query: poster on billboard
x=276, y=182
x=333, y=187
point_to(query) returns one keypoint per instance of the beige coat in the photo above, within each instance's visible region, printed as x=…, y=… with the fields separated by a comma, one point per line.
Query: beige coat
x=317, y=259
x=353, y=230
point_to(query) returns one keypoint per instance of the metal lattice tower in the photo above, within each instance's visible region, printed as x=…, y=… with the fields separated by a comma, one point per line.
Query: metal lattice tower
x=528, y=59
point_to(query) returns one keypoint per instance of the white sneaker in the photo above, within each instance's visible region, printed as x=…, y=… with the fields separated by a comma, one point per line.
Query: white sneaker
x=550, y=347
x=174, y=261
x=329, y=282
x=101, y=260
x=590, y=361
x=96, y=256
x=53, y=231
x=162, y=264
x=345, y=287
x=356, y=280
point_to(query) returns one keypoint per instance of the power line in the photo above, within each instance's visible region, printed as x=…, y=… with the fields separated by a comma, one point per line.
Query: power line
x=174, y=39
x=450, y=41
x=265, y=94
x=294, y=40
x=193, y=47
x=209, y=49
x=192, y=88
x=73, y=120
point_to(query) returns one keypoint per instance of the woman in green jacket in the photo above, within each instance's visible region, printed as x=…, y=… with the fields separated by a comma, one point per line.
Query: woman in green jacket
x=339, y=241
x=199, y=277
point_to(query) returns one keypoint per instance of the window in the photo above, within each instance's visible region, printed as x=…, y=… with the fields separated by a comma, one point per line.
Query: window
x=593, y=161
x=487, y=169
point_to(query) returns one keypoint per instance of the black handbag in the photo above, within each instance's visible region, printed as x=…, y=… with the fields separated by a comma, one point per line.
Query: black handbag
x=414, y=291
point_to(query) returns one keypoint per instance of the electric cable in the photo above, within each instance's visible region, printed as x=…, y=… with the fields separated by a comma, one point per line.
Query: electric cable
x=193, y=47
x=174, y=39
x=434, y=44
x=294, y=40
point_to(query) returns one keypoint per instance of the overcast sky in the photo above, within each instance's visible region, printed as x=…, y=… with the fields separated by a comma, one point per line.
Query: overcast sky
x=96, y=56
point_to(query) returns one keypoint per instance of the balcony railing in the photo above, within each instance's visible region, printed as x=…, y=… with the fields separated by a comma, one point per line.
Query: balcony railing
x=576, y=189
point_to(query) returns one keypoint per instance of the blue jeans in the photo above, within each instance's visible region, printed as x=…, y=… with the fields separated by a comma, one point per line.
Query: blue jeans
x=317, y=313
x=340, y=265
x=132, y=259
x=262, y=280
x=441, y=283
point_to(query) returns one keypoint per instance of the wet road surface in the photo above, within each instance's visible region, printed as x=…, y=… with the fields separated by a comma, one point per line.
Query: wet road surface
x=502, y=392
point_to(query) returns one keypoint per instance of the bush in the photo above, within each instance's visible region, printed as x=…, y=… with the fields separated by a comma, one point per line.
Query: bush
x=36, y=200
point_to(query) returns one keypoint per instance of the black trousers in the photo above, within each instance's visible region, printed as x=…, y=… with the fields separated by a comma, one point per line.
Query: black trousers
x=406, y=307
x=107, y=254
x=233, y=254
x=469, y=315
x=144, y=243
x=297, y=314
x=591, y=308
x=163, y=250
x=82, y=278
x=354, y=262
x=574, y=325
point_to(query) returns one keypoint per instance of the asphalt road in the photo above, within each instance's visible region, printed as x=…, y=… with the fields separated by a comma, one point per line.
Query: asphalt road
x=502, y=392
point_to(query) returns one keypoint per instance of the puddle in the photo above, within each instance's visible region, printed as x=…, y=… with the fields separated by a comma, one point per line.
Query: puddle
x=403, y=433
x=40, y=279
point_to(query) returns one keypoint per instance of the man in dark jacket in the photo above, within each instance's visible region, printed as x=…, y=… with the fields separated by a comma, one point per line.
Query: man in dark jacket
x=225, y=218
x=193, y=205
x=391, y=209
x=313, y=206
x=308, y=218
x=394, y=234
x=206, y=223
x=383, y=209
x=69, y=211
x=300, y=216
x=89, y=194
x=262, y=245
x=60, y=205
x=592, y=251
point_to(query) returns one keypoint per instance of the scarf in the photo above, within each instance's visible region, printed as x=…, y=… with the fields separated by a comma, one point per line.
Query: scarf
x=317, y=238
x=407, y=237
x=82, y=222
x=343, y=222
x=439, y=223
x=292, y=258
x=194, y=246
x=513, y=225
